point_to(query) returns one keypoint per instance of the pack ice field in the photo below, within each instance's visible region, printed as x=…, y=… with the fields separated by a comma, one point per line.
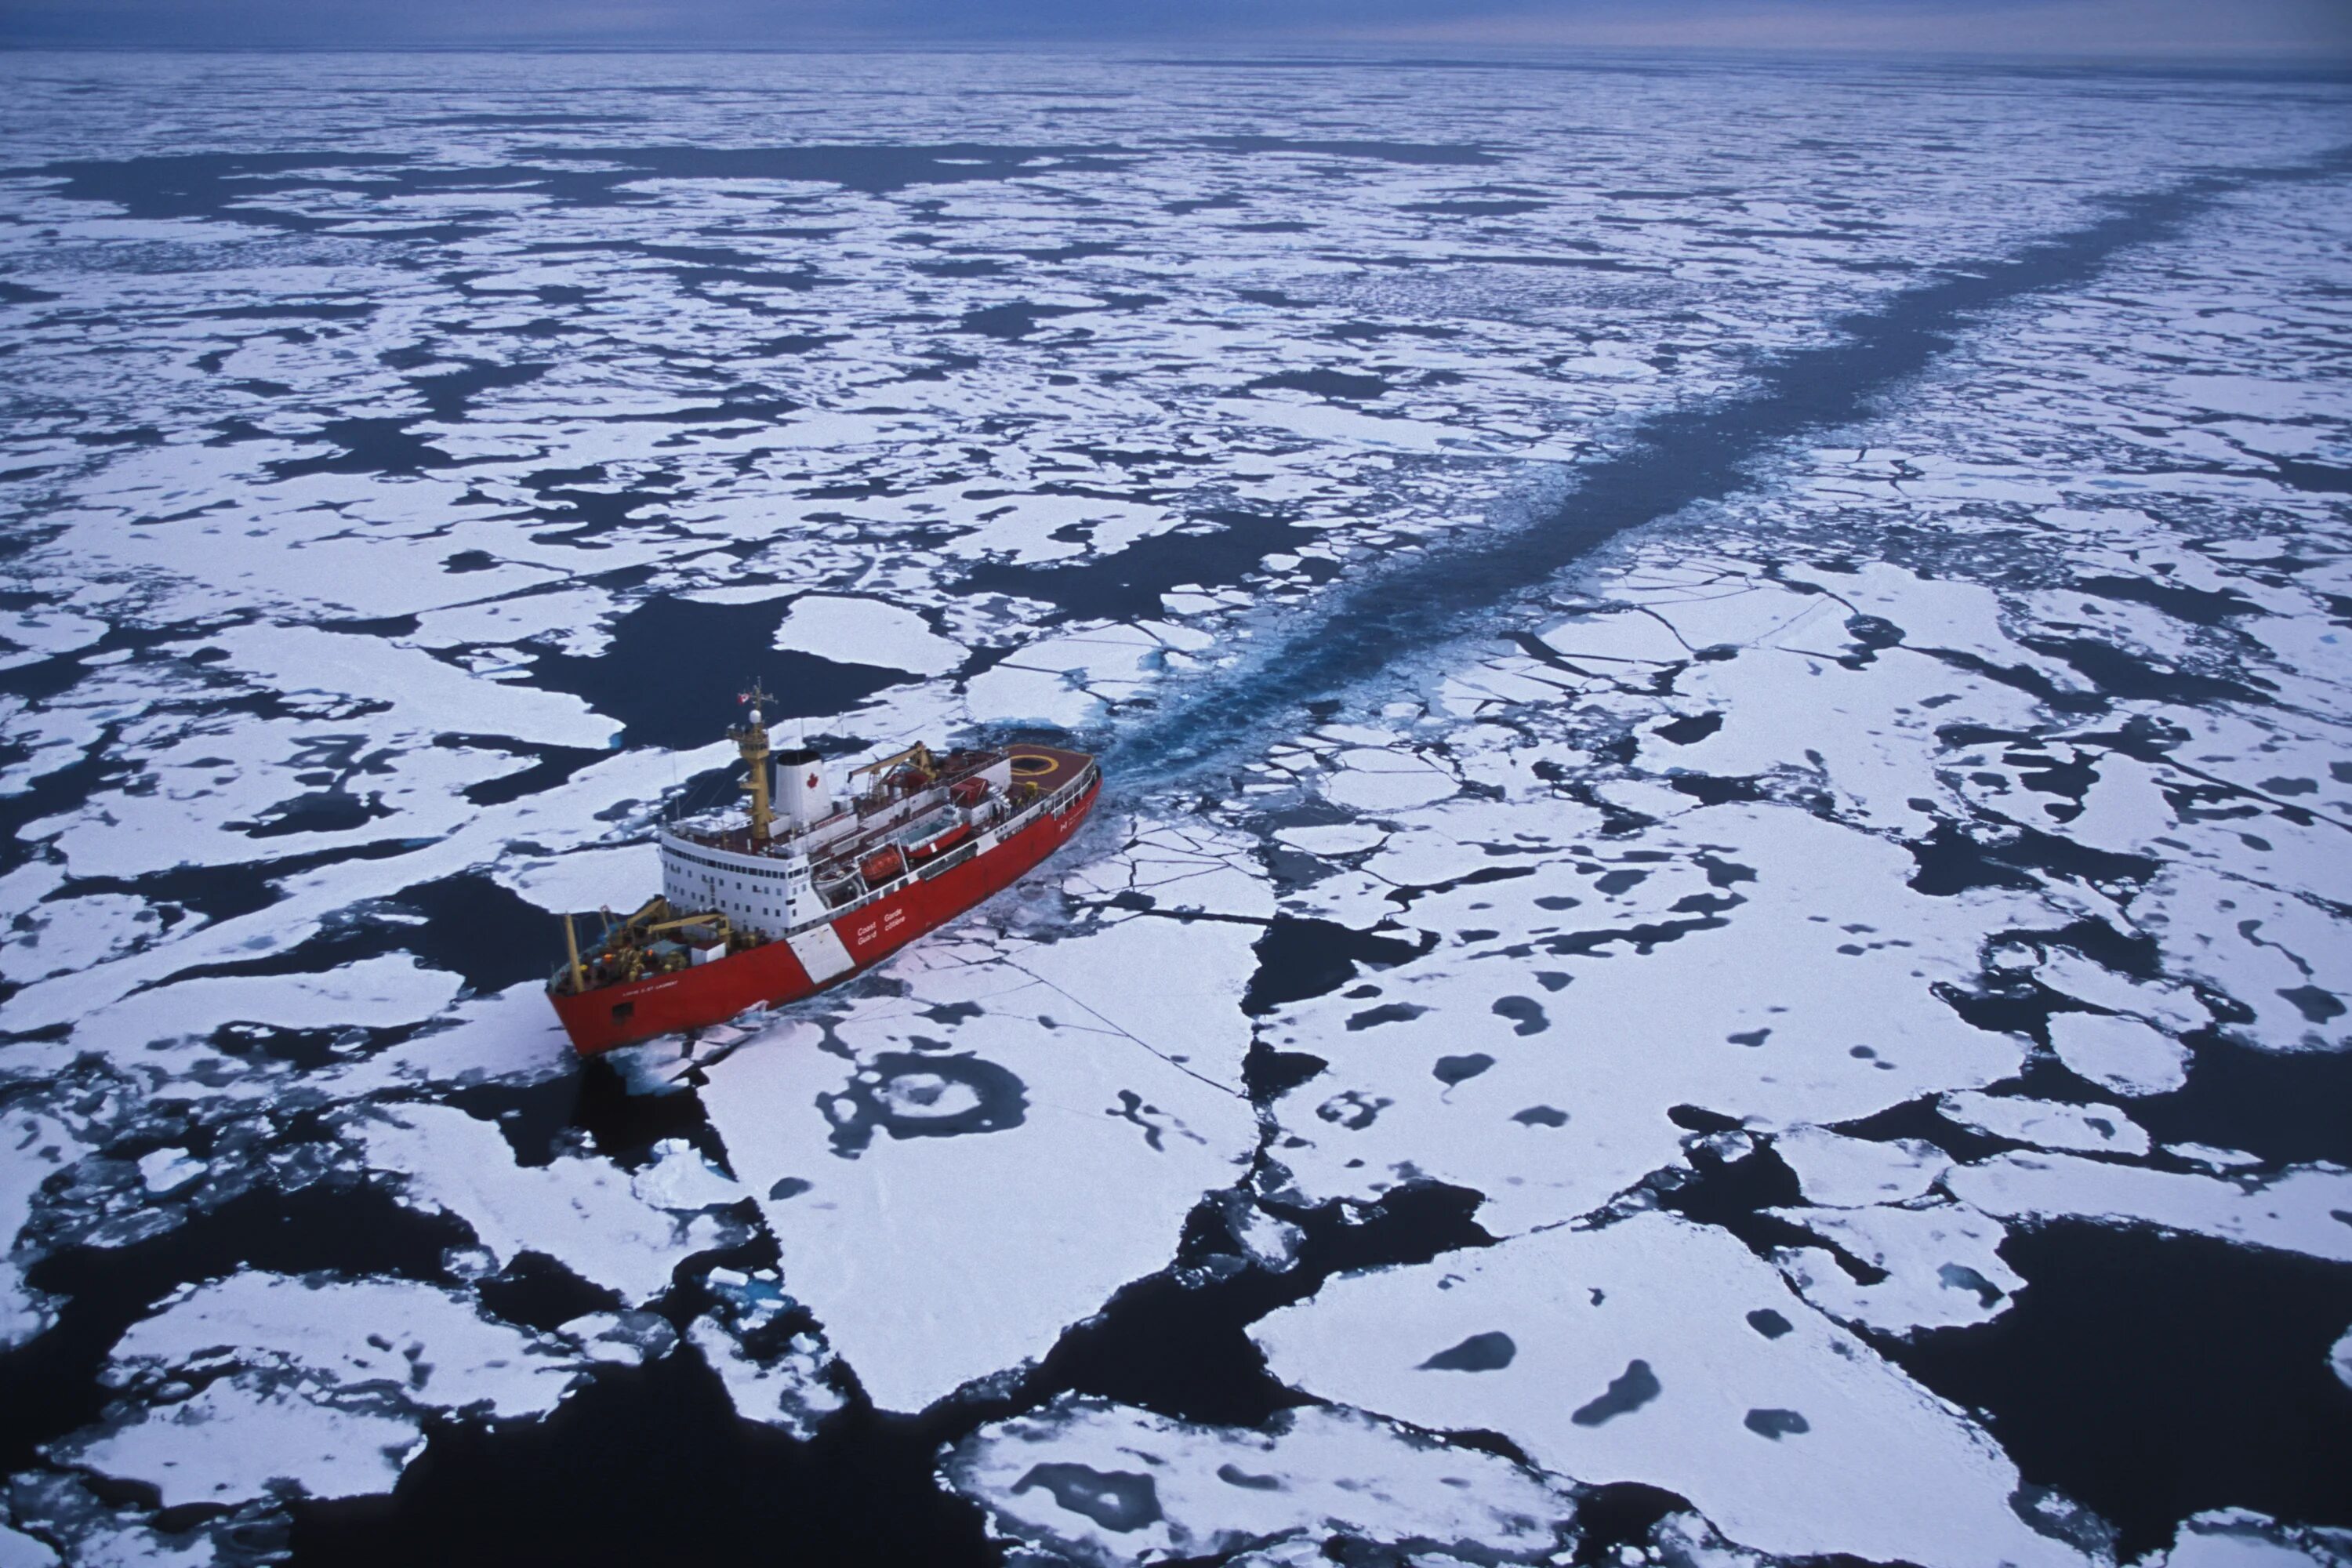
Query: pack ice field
x=1716, y=928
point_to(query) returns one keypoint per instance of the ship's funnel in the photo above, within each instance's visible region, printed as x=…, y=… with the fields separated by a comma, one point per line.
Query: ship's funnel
x=803, y=793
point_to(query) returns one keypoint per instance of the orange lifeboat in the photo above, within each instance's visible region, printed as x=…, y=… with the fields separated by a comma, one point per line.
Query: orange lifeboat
x=885, y=865
x=942, y=841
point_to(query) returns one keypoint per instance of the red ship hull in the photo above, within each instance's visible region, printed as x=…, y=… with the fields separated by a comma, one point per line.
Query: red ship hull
x=771, y=975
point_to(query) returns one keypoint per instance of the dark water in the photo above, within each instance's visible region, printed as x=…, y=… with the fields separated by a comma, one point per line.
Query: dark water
x=674, y=668
x=646, y=1462
x=2149, y=1377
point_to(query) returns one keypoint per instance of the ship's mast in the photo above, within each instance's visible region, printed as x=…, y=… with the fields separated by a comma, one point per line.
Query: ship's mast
x=752, y=739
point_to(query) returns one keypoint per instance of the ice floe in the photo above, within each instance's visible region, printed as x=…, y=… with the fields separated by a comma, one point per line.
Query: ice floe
x=239, y=1438
x=2117, y=1053
x=886, y=1147
x=274, y=1385
x=2241, y=1538
x=2048, y=1124
x=866, y=631
x=786, y=1390
x=1657, y=1351
x=579, y=1210
x=1105, y=1484
x=1837, y=1172
x=1939, y=1265
x=2300, y=1209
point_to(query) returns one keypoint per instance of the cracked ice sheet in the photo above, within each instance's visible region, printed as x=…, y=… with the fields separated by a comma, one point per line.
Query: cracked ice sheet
x=1467, y=1068
x=579, y=1210
x=512, y=1037
x=391, y=990
x=1107, y=1485
x=1182, y=868
x=1663, y=1352
x=1065, y=680
x=886, y=1159
x=2301, y=1209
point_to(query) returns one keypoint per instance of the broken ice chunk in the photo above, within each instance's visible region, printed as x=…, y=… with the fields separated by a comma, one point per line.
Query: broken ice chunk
x=2299, y=1210
x=2047, y=1123
x=1839, y=1171
x=1105, y=1485
x=789, y=1390
x=579, y=1210
x=866, y=631
x=2211, y=1158
x=2119, y=1054
x=2241, y=1538
x=249, y=1437
x=166, y=1171
x=682, y=1178
x=1941, y=1265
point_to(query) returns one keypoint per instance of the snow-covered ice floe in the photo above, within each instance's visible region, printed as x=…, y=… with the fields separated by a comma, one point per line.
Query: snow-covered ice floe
x=627, y=1236
x=1105, y=1484
x=1653, y=1350
x=886, y=1147
x=2301, y=1209
x=317, y=1387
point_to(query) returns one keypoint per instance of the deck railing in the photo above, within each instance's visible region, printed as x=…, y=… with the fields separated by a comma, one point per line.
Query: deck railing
x=1056, y=802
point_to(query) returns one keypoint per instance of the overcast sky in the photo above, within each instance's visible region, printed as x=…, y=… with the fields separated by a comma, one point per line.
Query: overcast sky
x=2312, y=30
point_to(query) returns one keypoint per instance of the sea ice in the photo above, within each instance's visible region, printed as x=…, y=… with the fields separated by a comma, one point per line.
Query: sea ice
x=425, y=1347
x=33, y=1148
x=886, y=1148
x=18, y=1550
x=2298, y=1210
x=1656, y=1351
x=576, y=1209
x=1692, y=966
x=2241, y=1538
x=1941, y=1262
x=2117, y=1053
x=1839, y=1171
x=2047, y=1123
x=314, y=1386
x=787, y=1390
x=866, y=631
x=248, y=1436
x=1107, y=1485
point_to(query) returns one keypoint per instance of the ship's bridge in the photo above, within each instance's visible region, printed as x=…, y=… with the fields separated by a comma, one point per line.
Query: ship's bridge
x=767, y=892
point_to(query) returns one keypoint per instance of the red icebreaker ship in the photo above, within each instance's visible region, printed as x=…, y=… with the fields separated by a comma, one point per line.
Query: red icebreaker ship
x=774, y=904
